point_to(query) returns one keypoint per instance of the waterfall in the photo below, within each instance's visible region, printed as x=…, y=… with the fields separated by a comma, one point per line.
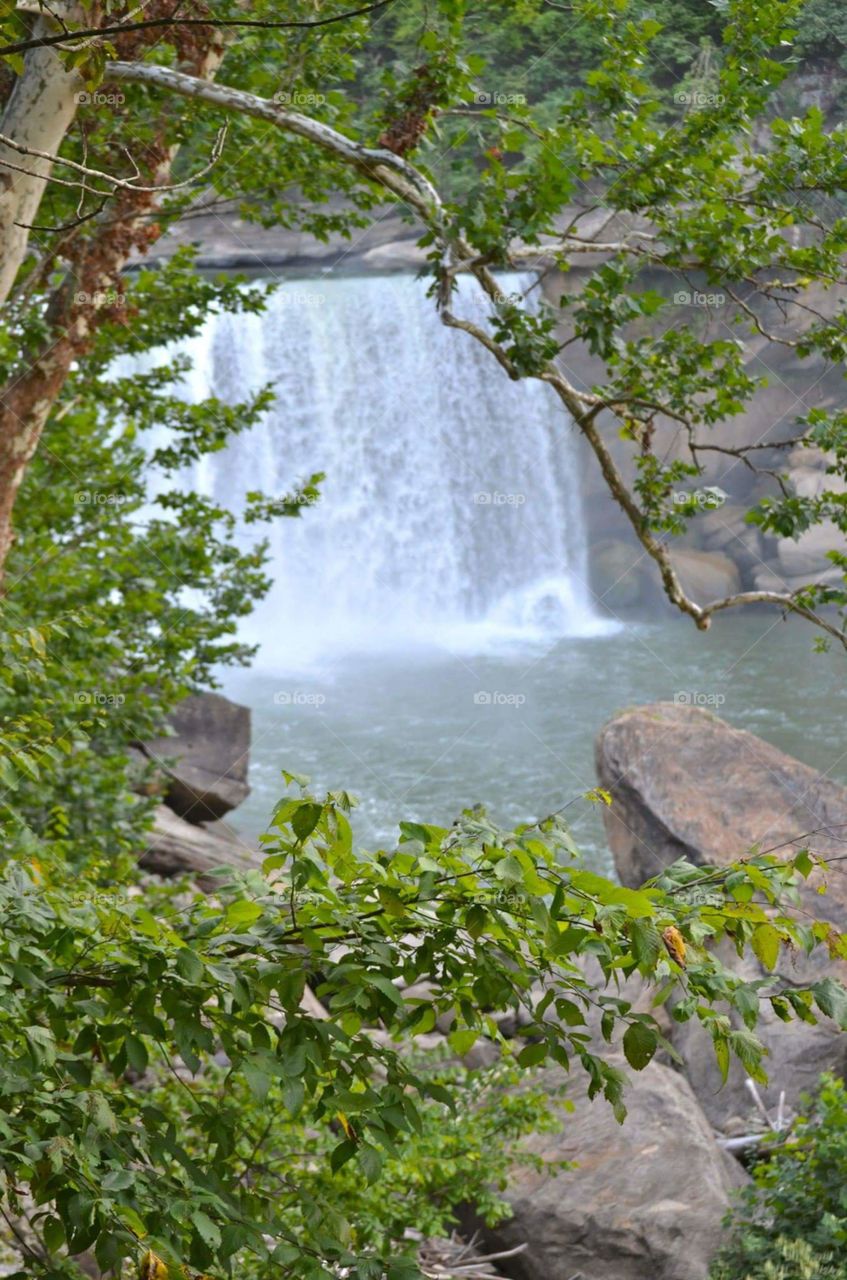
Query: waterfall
x=451, y=512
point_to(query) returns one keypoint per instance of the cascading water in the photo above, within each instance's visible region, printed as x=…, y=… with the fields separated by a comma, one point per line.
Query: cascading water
x=450, y=514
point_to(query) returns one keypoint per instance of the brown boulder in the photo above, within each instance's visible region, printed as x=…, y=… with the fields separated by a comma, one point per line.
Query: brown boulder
x=646, y=1199
x=706, y=575
x=205, y=761
x=686, y=784
x=176, y=847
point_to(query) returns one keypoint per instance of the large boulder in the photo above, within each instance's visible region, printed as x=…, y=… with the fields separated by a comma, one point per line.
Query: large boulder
x=706, y=575
x=646, y=1198
x=205, y=761
x=686, y=784
x=176, y=847
x=621, y=577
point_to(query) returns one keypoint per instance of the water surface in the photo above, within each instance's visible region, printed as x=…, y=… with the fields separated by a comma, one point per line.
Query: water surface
x=423, y=733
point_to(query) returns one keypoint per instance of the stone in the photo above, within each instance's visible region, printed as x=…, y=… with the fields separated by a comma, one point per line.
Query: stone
x=806, y=556
x=686, y=784
x=706, y=575
x=209, y=753
x=176, y=847
x=646, y=1199
x=622, y=577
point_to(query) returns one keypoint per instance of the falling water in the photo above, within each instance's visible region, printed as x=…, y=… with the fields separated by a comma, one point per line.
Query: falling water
x=450, y=514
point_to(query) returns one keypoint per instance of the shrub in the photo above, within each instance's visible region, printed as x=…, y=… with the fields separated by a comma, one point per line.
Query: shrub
x=791, y=1222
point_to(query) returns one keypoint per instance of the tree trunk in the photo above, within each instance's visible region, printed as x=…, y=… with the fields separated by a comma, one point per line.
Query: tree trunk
x=38, y=114
x=96, y=263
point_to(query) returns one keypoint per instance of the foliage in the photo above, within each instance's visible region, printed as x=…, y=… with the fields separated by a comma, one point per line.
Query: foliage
x=135, y=582
x=296, y=1144
x=165, y=1091
x=673, y=121
x=792, y=1220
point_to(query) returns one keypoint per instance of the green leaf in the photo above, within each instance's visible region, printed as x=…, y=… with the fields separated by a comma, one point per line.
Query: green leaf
x=462, y=1041
x=533, y=1054
x=831, y=999
x=746, y=1001
x=371, y=1161
x=136, y=1053
x=53, y=1233
x=42, y=1045
x=242, y=913
x=765, y=943
x=306, y=818
x=803, y=863
x=258, y=1080
x=386, y=986
x=476, y=920
x=341, y=1154
x=722, y=1056
x=646, y=943
x=639, y=1045
x=190, y=966
x=207, y=1230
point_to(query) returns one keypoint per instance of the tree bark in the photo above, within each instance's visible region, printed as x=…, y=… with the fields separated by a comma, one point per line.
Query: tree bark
x=38, y=114
x=95, y=267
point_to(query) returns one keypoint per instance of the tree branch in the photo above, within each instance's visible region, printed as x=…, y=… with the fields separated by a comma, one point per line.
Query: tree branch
x=146, y=24
x=119, y=184
x=406, y=183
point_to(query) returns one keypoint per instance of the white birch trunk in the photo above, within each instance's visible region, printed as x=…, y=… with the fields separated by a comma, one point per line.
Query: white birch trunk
x=39, y=112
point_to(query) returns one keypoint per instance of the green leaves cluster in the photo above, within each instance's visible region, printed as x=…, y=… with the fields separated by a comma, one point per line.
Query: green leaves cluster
x=791, y=1220
x=125, y=586
x=166, y=1084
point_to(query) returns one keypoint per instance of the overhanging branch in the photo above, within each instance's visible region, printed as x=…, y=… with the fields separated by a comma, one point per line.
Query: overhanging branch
x=402, y=180
x=122, y=28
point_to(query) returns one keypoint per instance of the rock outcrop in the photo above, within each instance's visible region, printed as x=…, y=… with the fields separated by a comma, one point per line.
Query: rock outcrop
x=686, y=784
x=205, y=761
x=176, y=847
x=646, y=1198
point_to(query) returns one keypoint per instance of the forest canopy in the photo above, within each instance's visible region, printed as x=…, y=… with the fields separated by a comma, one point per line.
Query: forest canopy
x=231, y=1082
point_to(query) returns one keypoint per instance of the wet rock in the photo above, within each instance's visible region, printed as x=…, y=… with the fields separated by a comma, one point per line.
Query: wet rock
x=706, y=575
x=622, y=578
x=205, y=762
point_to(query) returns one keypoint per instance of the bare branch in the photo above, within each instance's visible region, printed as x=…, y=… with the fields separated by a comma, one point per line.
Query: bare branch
x=119, y=29
x=119, y=184
x=397, y=176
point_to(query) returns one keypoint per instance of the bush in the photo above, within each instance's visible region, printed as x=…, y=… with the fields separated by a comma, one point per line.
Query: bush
x=791, y=1222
